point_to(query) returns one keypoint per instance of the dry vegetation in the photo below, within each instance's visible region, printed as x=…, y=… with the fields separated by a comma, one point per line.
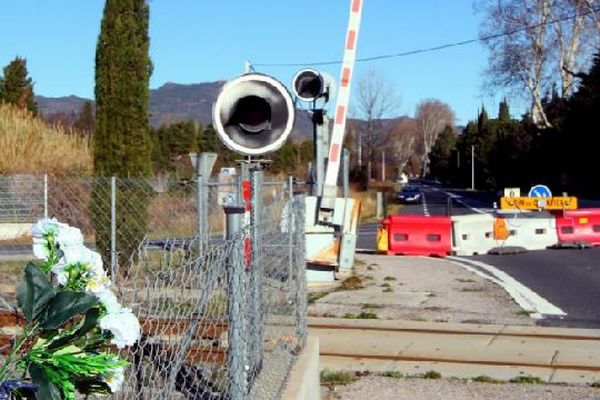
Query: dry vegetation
x=30, y=146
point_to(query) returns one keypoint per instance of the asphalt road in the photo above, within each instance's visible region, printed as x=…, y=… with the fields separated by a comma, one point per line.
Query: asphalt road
x=569, y=279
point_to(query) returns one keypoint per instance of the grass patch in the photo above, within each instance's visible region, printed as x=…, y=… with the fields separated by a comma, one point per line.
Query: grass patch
x=486, y=379
x=393, y=374
x=329, y=315
x=465, y=289
x=30, y=146
x=526, y=379
x=419, y=319
x=524, y=313
x=431, y=294
x=332, y=378
x=361, y=315
x=465, y=280
x=369, y=278
x=385, y=285
x=367, y=306
x=315, y=296
x=388, y=290
x=369, y=268
x=595, y=384
x=352, y=283
x=358, y=262
x=389, y=278
x=436, y=308
x=431, y=374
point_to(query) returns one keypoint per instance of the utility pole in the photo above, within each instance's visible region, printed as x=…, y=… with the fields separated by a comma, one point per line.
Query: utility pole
x=472, y=167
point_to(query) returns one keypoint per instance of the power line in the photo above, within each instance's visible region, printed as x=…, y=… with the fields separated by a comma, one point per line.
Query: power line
x=435, y=48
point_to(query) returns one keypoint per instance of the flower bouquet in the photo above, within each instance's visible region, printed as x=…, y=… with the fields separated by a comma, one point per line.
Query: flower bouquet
x=72, y=322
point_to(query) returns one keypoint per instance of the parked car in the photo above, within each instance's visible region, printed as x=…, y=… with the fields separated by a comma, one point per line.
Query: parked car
x=409, y=194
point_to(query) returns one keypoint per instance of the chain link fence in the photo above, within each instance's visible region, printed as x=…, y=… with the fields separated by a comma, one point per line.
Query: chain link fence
x=221, y=298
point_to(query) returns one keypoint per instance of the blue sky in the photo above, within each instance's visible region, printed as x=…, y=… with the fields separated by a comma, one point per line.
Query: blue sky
x=198, y=41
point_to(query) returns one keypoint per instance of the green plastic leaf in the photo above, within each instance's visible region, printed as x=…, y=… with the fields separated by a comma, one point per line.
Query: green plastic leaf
x=34, y=292
x=89, y=323
x=64, y=306
x=46, y=390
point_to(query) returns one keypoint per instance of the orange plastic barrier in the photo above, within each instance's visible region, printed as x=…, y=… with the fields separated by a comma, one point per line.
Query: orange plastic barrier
x=417, y=235
x=581, y=225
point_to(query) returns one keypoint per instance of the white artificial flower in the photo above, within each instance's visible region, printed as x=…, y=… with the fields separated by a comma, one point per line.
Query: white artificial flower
x=44, y=227
x=110, y=302
x=69, y=235
x=70, y=241
x=92, y=261
x=98, y=285
x=60, y=273
x=115, y=379
x=96, y=279
x=124, y=327
x=40, y=232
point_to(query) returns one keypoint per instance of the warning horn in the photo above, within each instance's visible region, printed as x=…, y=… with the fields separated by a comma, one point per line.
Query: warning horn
x=254, y=114
x=311, y=85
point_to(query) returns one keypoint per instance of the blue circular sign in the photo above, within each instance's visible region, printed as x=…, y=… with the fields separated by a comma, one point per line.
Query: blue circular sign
x=540, y=191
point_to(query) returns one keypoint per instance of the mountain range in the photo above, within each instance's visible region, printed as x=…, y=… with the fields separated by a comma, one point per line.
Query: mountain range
x=170, y=103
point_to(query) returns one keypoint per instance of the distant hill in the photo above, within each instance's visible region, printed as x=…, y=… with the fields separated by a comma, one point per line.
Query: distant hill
x=172, y=102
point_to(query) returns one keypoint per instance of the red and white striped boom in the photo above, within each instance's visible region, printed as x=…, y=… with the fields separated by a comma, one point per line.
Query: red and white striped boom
x=341, y=110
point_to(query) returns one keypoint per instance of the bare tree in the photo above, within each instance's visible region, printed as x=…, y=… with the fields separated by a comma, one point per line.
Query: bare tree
x=547, y=41
x=432, y=117
x=401, y=139
x=375, y=98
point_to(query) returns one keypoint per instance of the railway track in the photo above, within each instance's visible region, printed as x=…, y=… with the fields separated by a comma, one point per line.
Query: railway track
x=462, y=350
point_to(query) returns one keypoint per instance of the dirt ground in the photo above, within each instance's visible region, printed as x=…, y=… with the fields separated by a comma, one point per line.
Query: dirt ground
x=427, y=289
x=416, y=289
x=385, y=388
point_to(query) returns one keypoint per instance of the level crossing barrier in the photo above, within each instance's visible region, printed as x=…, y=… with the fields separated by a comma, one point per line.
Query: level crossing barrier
x=472, y=234
x=417, y=235
x=579, y=226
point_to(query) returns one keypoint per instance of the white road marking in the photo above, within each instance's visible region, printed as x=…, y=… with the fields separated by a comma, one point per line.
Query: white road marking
x=457, y=198
x=526, y=298
x=425, y=209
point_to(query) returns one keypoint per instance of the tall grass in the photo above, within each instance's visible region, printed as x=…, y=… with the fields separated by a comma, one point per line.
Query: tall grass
x=28, y=146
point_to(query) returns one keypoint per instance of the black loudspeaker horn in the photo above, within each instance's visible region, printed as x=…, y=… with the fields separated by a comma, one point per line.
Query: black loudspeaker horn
x=254, y=114
x=312, y=85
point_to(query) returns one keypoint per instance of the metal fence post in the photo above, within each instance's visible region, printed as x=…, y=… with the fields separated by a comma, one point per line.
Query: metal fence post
x=202, y=209
x=113, y=227
x=235, y=283
x=300, y=268
x=290, y=225
x=45, y=196
x=255, y=324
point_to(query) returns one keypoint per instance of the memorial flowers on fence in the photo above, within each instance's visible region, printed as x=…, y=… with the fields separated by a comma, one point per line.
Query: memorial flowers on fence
x=73, y=321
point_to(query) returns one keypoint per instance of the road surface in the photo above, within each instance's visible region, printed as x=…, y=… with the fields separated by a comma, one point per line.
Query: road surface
x=568, y=279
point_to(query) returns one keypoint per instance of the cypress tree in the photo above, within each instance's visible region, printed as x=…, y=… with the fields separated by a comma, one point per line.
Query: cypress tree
x=121, y=140
x=16, y=87
x=503, y=111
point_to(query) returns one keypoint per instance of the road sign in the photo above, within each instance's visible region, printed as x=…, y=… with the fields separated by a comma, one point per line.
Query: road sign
x=540, y=191
x=512, y=192
x=537, y=203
